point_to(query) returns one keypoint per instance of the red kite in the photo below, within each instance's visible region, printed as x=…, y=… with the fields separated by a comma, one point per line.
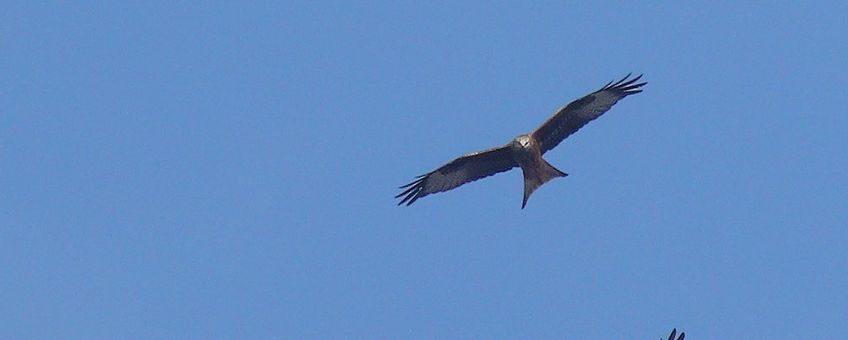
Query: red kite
x=526, y=150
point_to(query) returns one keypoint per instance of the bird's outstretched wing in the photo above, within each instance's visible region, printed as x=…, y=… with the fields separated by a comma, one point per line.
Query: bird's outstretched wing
x=467, y=168
x=573, y=116
x=673, y=333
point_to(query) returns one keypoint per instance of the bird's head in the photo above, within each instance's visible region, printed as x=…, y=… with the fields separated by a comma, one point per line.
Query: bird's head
x=521, y=142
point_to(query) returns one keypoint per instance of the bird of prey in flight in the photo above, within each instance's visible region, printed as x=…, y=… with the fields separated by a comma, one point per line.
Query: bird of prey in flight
x=524, y=151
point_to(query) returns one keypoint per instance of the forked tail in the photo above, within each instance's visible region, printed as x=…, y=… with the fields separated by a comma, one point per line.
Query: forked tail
x=535, y=177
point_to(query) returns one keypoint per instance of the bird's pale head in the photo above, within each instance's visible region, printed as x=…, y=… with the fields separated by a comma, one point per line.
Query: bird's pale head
x=521, y=142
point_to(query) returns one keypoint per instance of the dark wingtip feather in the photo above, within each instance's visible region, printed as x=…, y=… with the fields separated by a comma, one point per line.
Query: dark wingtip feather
x=408, y=185
x=635, y=79
x=629, y=82
x=414, y=198
x=413, y=191
x=406, y=199
x=626, y=86
x=674, y=333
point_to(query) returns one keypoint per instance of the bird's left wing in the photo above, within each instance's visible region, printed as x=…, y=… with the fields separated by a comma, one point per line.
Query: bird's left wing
x=467, y=168
x=573, y=116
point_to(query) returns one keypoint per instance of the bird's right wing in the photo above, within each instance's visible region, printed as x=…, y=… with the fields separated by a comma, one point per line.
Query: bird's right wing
x=467, y=168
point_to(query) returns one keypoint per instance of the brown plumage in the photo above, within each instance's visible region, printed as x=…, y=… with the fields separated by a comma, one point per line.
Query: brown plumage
x=526, y=150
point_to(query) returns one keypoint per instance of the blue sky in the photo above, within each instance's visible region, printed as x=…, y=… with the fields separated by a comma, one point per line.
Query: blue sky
x=224, y=170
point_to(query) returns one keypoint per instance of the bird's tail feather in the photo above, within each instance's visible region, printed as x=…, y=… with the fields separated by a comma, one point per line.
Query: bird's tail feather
x=535, y=177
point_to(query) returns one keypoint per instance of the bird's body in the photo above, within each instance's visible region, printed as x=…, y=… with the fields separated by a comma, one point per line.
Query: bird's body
x=524, y=151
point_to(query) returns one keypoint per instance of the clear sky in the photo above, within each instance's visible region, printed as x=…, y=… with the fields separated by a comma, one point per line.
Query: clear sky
x=227, y=170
